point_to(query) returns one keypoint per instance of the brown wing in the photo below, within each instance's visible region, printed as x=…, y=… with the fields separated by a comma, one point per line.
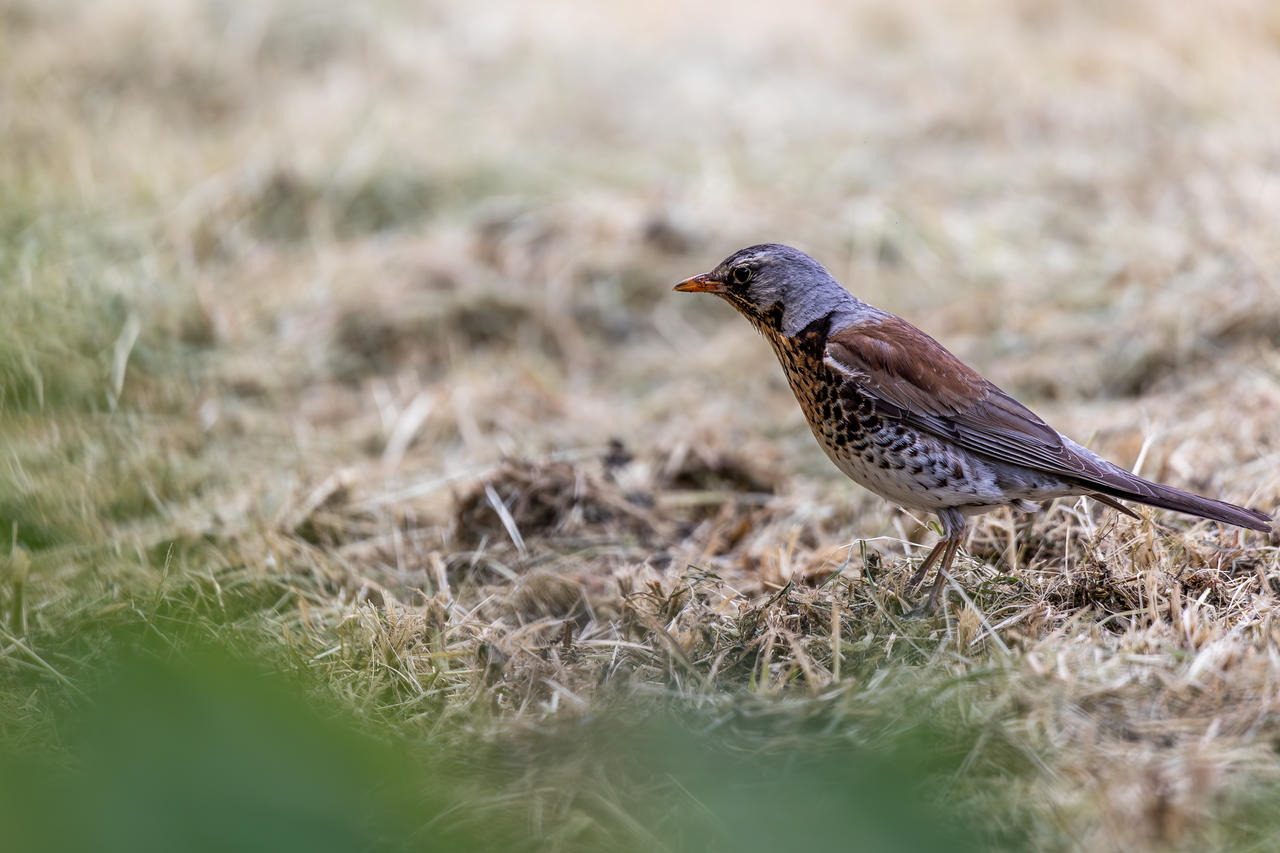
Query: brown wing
x=914, y=379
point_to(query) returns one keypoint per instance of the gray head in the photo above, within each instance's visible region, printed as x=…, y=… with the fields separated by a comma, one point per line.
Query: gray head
x=774, y=286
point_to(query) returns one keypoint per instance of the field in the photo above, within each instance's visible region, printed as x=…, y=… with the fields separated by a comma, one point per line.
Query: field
x=364, y=486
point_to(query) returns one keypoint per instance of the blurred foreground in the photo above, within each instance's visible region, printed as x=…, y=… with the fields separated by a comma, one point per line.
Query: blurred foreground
x=192, y=749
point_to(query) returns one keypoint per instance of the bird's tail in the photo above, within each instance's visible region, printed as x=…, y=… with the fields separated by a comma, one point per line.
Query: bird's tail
x=1133, y=488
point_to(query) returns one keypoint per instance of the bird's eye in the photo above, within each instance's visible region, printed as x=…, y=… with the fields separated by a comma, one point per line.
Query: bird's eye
x=741, y=275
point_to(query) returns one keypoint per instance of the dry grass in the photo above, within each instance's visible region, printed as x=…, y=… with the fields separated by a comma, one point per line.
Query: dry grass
x=348, y=329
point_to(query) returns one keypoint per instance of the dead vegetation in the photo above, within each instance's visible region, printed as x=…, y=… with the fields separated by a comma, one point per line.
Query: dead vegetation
x=348, y=331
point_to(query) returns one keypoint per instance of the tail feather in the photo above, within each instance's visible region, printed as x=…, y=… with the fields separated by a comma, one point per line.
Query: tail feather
x=1116, y=505
x=1167, y=497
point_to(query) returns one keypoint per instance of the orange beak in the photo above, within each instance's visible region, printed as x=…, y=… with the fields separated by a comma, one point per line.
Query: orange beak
x=700, y=284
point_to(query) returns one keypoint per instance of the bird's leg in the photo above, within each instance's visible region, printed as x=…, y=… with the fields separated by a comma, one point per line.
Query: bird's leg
x=953, y=534
x=926, y=565
x=931, y=603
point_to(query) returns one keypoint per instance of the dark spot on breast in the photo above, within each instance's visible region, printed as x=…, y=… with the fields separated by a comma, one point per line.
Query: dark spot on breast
x=813, y=337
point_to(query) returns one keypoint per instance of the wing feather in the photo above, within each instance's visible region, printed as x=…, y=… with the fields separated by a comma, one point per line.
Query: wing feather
x=914, y=379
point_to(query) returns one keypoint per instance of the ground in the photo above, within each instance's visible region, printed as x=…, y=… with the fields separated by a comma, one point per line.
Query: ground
x=339, y=338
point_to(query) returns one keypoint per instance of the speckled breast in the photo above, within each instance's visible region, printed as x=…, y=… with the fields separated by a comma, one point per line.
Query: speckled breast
x=891, y=459
x=844, y=425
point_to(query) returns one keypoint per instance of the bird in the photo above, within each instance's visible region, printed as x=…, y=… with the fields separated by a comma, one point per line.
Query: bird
x=903, y=417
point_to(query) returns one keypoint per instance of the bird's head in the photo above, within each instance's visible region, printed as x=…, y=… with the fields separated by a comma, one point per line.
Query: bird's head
x=773, y=286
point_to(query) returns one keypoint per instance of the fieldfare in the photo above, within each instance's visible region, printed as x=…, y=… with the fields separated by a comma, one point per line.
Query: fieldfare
x=903, y=417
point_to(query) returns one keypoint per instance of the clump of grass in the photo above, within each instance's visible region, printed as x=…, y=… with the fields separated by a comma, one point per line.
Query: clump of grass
x=101, y=453
x=77, y=364
x=84, y=327
x=55, y=346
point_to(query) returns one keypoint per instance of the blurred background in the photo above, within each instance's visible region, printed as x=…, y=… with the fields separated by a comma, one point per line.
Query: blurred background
x=342, y=334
